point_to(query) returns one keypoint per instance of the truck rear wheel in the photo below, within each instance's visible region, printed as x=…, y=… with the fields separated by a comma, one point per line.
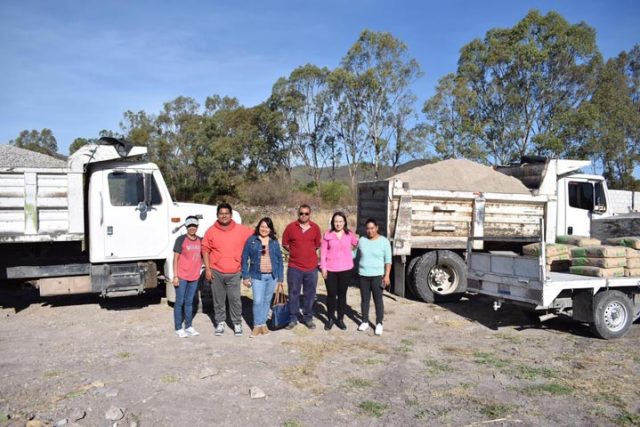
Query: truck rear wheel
x=612, y=314
x=439, y=276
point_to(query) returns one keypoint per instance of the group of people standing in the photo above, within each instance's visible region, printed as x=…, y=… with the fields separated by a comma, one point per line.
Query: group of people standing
x=235, y=254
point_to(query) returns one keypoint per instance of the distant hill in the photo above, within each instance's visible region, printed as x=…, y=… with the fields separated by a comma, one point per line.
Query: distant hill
x=302, y=174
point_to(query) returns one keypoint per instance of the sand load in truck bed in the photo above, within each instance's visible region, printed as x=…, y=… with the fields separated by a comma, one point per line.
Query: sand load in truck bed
x=461, y=175
x=15, y=157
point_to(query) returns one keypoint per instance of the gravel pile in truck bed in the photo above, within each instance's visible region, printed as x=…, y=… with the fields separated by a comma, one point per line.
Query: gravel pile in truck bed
x=14, y=157
x=461, y=175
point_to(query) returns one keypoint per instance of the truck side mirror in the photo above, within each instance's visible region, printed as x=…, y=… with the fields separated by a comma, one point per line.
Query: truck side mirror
x=142, y=207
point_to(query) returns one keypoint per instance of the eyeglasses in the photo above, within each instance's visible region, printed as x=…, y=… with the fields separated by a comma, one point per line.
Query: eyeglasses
x=264, y=249
x=304, y=213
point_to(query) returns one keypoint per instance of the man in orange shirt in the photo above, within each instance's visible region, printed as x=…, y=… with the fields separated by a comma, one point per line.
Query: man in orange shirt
x=222, y=246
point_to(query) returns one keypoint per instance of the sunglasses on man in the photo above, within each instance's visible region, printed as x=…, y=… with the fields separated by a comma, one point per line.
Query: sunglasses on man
x=304, y=213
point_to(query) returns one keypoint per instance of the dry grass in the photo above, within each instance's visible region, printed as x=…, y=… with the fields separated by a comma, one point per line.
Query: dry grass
x=304, y=376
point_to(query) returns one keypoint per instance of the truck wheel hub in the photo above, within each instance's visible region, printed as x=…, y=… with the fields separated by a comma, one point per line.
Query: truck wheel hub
x=442, y=279
x=615, y=316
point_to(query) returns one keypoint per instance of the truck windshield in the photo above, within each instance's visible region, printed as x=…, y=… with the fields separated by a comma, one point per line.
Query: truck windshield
x=127, y=189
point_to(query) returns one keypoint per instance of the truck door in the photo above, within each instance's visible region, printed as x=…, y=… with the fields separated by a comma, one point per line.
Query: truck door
x=135, y=217
x=579, y=208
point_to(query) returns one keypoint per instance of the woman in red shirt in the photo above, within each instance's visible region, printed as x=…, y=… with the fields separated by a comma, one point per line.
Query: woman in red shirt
x=187, y=263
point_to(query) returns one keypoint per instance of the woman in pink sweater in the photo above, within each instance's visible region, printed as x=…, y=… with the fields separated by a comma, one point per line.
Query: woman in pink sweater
x=336, y=263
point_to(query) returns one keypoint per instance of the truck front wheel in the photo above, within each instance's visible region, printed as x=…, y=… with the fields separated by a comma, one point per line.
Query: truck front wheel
x=439, y=276
x=612, y=314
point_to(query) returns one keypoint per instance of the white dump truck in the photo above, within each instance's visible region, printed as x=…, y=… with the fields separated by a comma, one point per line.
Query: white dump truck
x=105, y=223
x=429, y=213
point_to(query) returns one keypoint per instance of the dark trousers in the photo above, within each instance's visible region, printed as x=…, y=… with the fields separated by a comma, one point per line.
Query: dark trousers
x=301, y=281
x=337, y=284
x=369, y=285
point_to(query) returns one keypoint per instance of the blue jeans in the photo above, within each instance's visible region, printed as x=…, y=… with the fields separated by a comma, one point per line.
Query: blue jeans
x=262, y=293
x=305, y=281
x=183, y=307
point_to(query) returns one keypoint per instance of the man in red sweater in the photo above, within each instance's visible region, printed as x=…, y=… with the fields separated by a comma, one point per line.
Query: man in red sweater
x=302, y=240
x=222, y=246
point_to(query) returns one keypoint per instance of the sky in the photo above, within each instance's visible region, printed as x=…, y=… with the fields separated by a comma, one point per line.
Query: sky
x=76, y=66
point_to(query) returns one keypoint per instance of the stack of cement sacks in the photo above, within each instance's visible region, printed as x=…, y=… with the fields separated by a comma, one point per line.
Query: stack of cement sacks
x=557, y=256
x=632, y=253
x=590, y=258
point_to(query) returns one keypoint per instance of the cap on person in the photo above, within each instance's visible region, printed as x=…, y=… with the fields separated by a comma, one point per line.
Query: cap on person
x=191, y=220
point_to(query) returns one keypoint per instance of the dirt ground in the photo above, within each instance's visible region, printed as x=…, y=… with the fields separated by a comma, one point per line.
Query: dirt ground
x=76, y=360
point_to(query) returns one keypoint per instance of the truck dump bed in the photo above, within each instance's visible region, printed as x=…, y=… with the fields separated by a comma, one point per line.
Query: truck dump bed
x=40, y=205
x=419, y=215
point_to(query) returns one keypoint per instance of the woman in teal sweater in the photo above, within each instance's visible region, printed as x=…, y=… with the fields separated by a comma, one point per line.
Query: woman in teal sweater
x=374, y=269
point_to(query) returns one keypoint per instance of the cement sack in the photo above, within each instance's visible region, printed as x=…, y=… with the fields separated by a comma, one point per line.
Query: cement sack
x=578, y=240
x=629, y=241
x=563, y=265
x=632, y=272
x=551, y=249
x=600, y=262
x=599, y=252
x=561, y=257
x=632, y=253
x=597, y=271
x=633, y=263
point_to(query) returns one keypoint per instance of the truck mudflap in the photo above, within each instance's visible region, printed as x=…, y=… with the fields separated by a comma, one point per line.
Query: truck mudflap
x=124, y=279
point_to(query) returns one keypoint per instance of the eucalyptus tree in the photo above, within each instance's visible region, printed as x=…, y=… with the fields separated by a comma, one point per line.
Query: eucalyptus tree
x=41, y=141
x=177, y=126
x=304, y=101
x=448, y=127
x=347, y=124
x=527, y=82
x=378, y=72
x=613, y=130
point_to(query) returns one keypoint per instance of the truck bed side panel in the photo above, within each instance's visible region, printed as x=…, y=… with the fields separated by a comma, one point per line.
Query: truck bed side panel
x=40, y=205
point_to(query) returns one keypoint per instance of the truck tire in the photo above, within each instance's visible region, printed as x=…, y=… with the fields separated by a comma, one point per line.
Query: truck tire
x=612, y=314
x=411, y=286
x=439, y=276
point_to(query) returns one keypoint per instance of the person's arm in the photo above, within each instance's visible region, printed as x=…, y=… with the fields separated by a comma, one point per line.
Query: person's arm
x=387, y=264
x=386, y=279
x=354, y=239
x=285, y=238
x=279, y=265
x=246, y=280
x=177, y=250
x=205, y=257
x=324, y=247
x=175, y=281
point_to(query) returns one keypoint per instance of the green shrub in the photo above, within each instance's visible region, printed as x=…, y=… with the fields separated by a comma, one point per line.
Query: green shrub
x=332, y=192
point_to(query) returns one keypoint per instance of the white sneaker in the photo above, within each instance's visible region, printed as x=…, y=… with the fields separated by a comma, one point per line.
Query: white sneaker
x=379, y=329
x=237, y=330
x=219, y=329
x=192, y=331
x=363, y=326
x=181, y=333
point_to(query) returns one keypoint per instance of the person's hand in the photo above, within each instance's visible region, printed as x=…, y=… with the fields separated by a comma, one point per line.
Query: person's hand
x=208, y=275
x=247, y=282
x=324, y=273
x=176, y=281
x=386, y=280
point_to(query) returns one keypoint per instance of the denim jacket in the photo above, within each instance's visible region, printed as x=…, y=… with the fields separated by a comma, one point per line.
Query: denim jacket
x=251, y=259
